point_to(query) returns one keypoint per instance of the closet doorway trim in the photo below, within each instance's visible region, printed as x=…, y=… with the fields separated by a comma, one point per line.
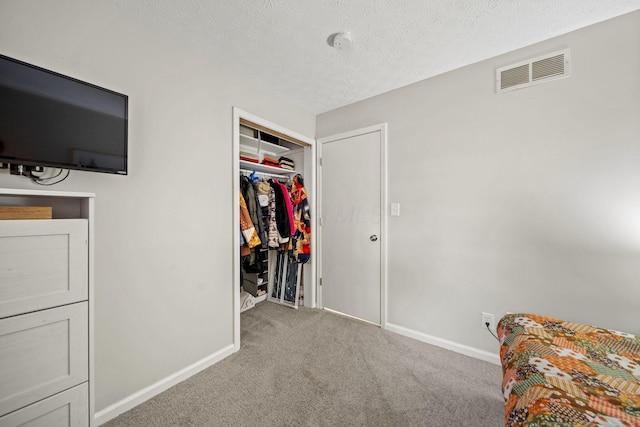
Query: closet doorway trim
x=240, y=116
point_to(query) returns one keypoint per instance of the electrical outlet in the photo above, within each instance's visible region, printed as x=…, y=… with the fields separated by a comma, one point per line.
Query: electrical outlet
x=488, y=318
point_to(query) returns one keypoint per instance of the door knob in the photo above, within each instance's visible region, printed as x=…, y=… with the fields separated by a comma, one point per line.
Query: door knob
x=373, y=238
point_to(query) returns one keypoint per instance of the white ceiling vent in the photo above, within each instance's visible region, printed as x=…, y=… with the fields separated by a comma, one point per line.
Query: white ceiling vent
x=534, y=71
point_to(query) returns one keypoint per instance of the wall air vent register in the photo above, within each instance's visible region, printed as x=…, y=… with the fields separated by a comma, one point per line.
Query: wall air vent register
x=534, y=71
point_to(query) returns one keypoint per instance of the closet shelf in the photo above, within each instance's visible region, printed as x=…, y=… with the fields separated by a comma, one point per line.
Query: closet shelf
x=250, y=166
x=264, y=145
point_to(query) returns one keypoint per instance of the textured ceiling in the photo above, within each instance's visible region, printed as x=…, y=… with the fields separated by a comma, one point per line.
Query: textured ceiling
x=283, y=43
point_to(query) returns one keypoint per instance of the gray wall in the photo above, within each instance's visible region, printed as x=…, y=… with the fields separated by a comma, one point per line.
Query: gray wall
x=163, y=272
x=527, y=201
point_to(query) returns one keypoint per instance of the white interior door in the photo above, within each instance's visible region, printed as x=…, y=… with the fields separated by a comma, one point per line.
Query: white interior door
x=352, y=226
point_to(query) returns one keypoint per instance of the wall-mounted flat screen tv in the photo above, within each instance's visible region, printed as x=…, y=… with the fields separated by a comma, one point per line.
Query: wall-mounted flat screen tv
x=51, y=120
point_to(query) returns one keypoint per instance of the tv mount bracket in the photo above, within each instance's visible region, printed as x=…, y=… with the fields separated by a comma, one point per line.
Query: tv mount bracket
x=23, y=170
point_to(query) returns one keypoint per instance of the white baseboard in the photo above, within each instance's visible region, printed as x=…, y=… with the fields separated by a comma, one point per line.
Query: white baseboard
x=147, y=393
x=449, y=345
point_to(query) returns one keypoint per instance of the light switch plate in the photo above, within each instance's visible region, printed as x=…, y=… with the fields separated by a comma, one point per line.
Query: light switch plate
x=395, y=209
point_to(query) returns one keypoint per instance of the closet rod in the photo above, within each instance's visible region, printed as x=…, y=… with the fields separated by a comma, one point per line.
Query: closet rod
x=265, y=174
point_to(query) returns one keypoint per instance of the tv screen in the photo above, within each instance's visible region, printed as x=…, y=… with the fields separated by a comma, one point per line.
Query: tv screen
x=51, y=120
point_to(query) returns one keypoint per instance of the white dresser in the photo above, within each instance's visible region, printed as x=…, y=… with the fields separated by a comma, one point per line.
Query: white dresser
x=46, y=311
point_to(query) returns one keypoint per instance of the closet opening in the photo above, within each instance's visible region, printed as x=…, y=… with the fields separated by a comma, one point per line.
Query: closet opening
x=274, y=242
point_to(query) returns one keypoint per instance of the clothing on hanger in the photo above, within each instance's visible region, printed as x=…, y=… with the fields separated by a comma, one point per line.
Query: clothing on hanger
x=273, y=235
x=282, y=216
x=301, y=239
x=289, y=207
x=246, y=226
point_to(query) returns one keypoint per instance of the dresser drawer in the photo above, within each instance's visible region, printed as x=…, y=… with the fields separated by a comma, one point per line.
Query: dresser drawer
x=42, y=353
x=67, y=409
x=43, y=263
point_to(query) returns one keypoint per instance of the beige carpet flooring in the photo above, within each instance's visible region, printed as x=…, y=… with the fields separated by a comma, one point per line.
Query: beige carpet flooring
x=314, y=368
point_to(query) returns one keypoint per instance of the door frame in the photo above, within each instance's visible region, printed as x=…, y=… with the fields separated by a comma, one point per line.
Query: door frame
x=382, y=128
x=310, y=185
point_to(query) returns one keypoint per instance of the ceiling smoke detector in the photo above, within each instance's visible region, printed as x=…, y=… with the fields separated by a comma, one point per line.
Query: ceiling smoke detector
x=341, y=41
